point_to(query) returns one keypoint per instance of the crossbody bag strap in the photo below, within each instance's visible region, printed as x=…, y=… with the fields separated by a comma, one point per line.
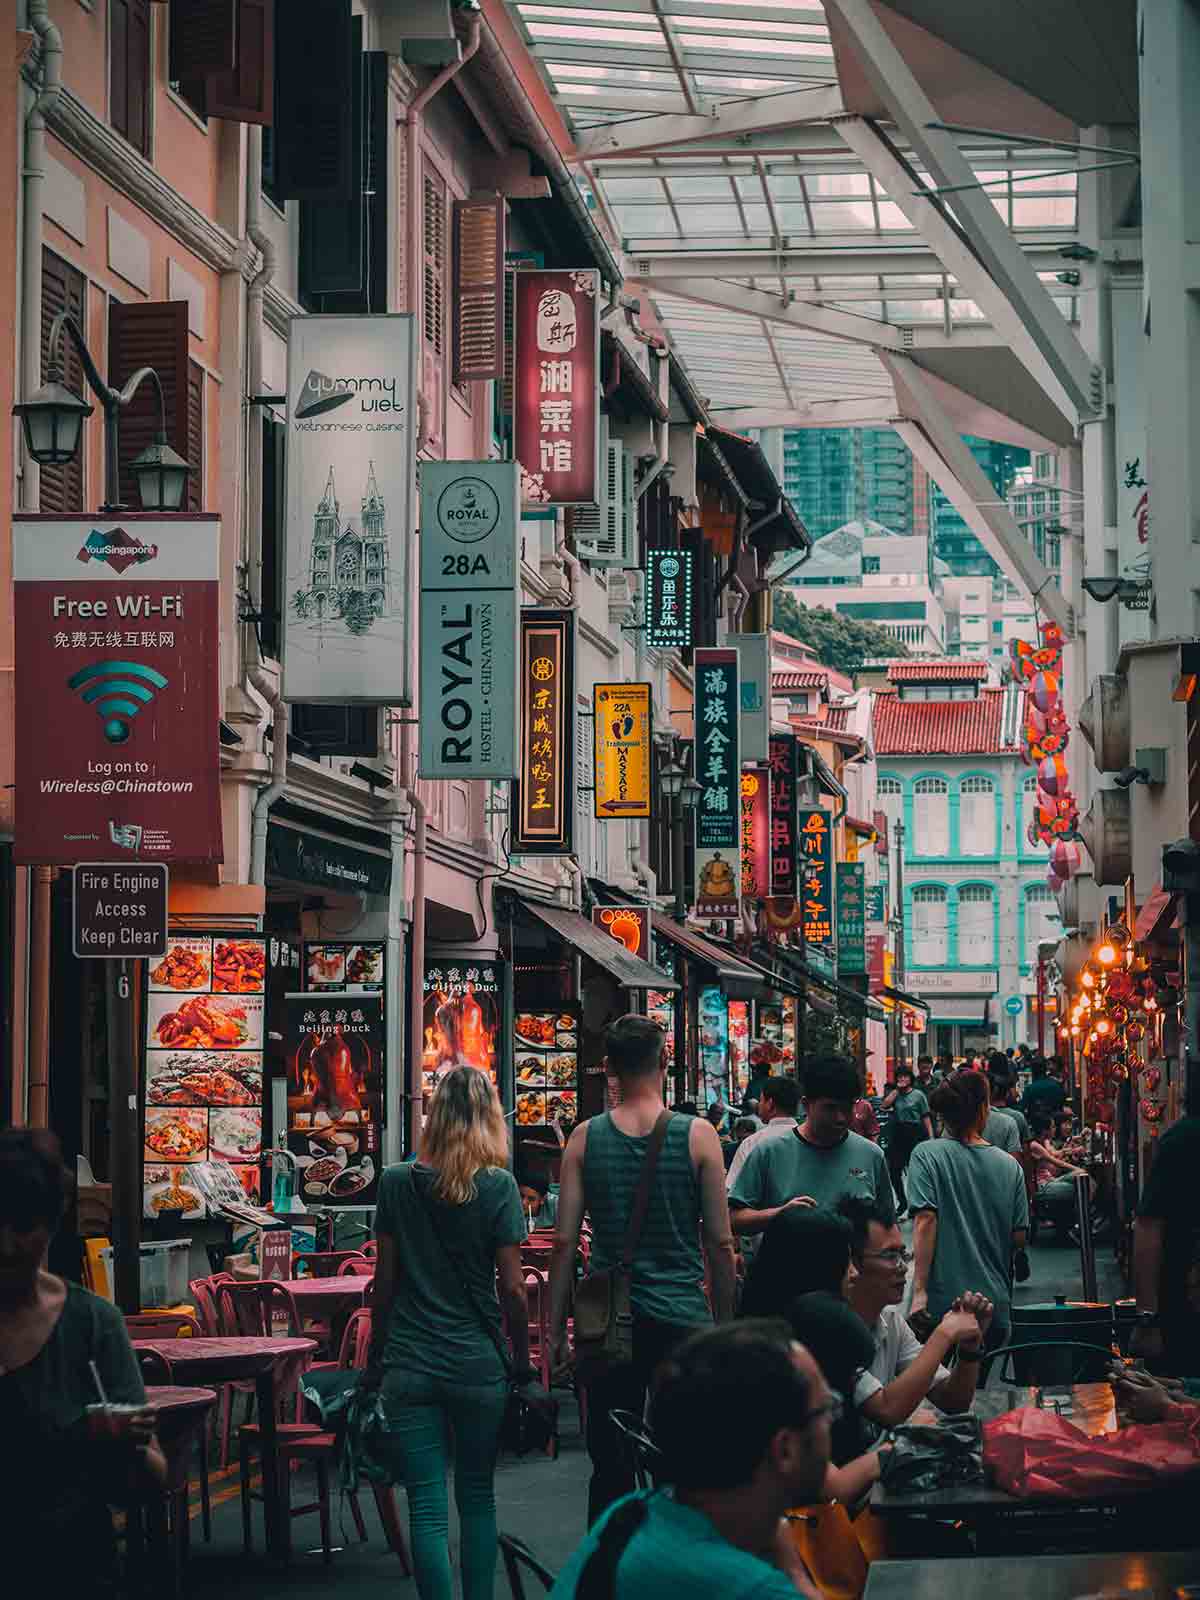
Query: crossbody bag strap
x=641, y=1196
x=463, y=1282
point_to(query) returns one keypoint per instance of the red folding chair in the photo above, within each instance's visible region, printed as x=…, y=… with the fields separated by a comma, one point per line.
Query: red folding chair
x=356, y=1269
x=325, y=1263
x=370, y=1249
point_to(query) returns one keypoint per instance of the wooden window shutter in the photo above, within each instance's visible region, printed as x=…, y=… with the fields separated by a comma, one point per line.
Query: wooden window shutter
x=151, y=334
x=332, y=256
x=63, y=290
x=129, y=71
x=247, y=94
x=433, y=233
x=314, y=93
x=203, y=37
x=478, y=295
x=194, y=494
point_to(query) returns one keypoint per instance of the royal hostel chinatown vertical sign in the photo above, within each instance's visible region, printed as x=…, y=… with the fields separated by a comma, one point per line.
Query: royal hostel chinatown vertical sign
x=556, y=360
x=117, y=703
x=351, y=443
x=718, y=772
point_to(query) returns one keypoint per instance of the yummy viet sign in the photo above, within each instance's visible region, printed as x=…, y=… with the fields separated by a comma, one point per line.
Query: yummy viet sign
x=718, y=771
x=622, y=716
x=816, y=874
x=669, y=599
x=542, y=809
x=556, y=359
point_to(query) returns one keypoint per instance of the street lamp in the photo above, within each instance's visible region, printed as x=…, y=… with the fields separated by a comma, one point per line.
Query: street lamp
x=683, y=792
x=52, y=423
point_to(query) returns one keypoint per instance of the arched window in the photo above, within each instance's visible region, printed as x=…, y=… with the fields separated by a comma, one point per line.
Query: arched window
x=930, y=926
x=890, y=794
x=1042, y=920
x=1028, y=806
x=931, y=817
x=976, y=926
x=977, y=817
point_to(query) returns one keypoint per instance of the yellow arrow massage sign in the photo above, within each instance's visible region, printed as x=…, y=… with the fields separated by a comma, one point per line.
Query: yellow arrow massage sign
x=622, y=747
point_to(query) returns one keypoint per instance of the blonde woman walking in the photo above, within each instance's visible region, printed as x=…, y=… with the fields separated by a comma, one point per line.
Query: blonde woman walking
x=448, y=1225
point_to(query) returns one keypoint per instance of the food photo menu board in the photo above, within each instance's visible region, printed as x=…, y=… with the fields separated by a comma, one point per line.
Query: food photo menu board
x=546, y=1069
x=462, y=1015
x=354, y=968
x=204, y=1068
x=334, y=1047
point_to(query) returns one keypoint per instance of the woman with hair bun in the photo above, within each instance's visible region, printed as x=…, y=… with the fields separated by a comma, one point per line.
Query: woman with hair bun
x=970, y=1209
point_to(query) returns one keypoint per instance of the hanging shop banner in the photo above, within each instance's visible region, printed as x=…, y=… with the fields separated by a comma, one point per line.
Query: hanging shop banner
x=628, y=925
x=334, y=1044
x=851, y=918
x=117, y=698
x=622, y=718
x=204, y=1010
x=469, y=605
x=556, y=364
x=718, y=771
x=462, y=1018
x=756, y=833
x=669, y=599
x=783, y=760
x=754, y=690
x=542, y=801
x=876, y=901
x=816, y=876
x=351, y=443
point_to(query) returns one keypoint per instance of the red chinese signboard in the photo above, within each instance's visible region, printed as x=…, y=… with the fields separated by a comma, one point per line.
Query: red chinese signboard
x=816, y=875
x=117, y=705
x=783, y=814
x=556, y=360
x=628, y=925
x=756, y=833
x=542, y=798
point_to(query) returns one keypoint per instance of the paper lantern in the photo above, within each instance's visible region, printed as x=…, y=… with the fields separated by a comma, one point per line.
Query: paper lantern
x=1064, y=858
x=1053, y=777
x=1043, y=690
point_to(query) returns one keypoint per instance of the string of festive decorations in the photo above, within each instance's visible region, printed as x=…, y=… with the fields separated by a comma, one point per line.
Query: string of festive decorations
x=1045, y=735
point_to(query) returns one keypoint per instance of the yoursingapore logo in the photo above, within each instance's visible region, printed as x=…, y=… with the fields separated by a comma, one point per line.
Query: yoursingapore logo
x=468, y=510
x=116, y=547
x=320, y=393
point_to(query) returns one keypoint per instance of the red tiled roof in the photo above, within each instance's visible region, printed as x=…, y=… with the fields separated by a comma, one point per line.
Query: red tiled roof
x=806, y=678
x=940, y=727
x=812, y=728
x=838, y=717
x=937, y=671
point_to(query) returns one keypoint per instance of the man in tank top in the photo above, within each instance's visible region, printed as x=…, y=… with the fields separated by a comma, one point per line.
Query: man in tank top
x=687, y=1222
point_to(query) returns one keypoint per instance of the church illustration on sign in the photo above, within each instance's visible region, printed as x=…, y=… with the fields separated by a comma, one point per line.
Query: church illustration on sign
x=348, y=571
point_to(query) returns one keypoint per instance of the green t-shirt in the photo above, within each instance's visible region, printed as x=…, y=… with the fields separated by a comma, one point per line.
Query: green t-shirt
x=780, y=1169
x=910, y=1107
x=677, y=1551
x=434, y=1329
x=979, y=1195
x=1002, y=1131
x=1018, y=1117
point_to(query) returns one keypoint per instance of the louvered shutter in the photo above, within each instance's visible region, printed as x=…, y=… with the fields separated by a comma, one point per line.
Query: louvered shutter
x=433, y=306
x=314, y=94
x=513, y=259
x=203, y=37
x=247, y=93
x=153, y=334
x=194, y=495
x=129, y=71
x=331, y=226
x=604, y=544
x=478, y=289
x=588, y=525
x=63, y=290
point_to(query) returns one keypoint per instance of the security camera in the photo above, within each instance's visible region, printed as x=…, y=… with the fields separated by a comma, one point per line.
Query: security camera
x=1128, y=776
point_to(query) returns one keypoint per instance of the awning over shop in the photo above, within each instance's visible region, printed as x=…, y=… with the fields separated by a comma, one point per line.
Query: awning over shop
x=802, y=978
x=971, y=1009
x=907, y=1002
x=630, y=971
x=739, y=980
x=1154, y=918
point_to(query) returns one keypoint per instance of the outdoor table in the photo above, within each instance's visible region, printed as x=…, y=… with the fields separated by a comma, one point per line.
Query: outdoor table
x=1047, y=1578
x=225, y=1360
x=999, y=1519
x=329, y=1297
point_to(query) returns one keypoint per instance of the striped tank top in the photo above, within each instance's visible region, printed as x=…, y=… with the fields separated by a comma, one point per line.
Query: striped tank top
x=668, y=1266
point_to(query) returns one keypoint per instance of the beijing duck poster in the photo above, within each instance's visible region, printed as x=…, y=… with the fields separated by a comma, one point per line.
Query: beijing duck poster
x=334, y=1049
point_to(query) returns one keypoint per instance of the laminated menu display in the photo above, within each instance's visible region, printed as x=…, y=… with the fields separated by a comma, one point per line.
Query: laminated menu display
x=546, y=1069
x=203, y=1076
x=714, y=1044
x=334, y=1045
x=345, y=966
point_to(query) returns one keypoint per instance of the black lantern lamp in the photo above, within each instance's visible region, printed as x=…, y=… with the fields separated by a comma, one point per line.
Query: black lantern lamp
x=689, y=795
x=52, y=421
x=670, y=776
x=161, y=476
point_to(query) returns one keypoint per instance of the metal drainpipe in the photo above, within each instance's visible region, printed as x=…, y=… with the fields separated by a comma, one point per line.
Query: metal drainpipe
x=416, y=1040
x=397, y=826
x=412, y=118
x=34, y=176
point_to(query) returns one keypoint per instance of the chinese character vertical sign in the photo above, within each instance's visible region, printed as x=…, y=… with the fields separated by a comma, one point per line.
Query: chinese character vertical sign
x=556, y=416
x=542, y=808
x=783, y=815
x=718, y=771
x=816, y=876
x=851, y=917
x=756, y=833
x=669, y=599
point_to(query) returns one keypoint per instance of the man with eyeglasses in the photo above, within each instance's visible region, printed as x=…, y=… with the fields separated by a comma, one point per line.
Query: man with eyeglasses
x=904, y=1371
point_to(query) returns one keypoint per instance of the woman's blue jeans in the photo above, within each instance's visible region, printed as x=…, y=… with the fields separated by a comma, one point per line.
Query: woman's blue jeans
x=421, y=1413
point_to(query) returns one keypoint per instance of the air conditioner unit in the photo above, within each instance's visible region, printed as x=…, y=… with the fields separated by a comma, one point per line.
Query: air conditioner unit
x=1104, y=721
x=605, y=534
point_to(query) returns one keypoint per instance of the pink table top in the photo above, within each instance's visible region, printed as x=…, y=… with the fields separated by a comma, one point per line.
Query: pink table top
x=350, y=1288
x=173, y=1397
x=221, y=1360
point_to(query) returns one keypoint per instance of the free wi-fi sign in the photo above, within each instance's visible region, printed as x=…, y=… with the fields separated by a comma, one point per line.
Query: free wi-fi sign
x=118, y=690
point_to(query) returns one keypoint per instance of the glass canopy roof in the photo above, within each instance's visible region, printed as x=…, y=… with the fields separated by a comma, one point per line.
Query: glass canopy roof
x=809, y=223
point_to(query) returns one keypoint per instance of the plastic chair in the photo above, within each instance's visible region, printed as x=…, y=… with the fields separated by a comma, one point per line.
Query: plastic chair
x=517, y=1554
x=161, y=1325
x=156, y=1369
x=356, y=1269
x=642, y=1453
x=370, y=1249
x=203, y=1293
x=354, y=1352
x=537, y=1296
x=325, y=1263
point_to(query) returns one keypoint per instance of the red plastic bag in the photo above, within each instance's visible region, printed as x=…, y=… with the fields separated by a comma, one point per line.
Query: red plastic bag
x=1036, y=1454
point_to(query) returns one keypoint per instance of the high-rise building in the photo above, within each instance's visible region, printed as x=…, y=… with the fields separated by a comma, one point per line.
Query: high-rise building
x=953, y=541
x=838, y=475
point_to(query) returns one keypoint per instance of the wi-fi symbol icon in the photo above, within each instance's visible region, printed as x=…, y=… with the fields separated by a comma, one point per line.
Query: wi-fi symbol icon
x=118, y=690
